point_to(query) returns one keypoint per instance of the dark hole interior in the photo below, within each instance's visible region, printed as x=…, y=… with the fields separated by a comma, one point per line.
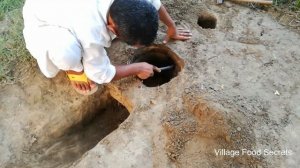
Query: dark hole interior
x=83, y=136
x=160, y=60
x=207, y=21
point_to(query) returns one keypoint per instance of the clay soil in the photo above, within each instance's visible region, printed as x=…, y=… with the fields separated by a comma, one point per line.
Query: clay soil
x=237, y=89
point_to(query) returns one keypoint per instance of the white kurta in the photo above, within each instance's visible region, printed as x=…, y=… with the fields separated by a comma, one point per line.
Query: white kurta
x=70, y=35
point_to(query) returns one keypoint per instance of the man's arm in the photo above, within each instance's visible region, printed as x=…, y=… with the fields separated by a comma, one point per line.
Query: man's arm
x=172, y=31
x=98, y=68
x=142, y=69
x=105, y=72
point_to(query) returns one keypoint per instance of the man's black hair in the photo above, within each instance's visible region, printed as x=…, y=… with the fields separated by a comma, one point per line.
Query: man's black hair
x=136, y=21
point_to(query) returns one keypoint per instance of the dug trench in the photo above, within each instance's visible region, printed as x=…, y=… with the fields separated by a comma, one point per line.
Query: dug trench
x=67, y=144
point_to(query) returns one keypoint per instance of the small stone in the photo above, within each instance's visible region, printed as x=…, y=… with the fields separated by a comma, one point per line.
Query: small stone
x=202, y=87
x=227, y=138
x=33, y=139
x=277, y=93
x=227, y=4
x=152, y=102
x=238, y=129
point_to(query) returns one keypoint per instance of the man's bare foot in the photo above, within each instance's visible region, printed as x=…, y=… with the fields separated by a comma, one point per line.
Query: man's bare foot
x=80, y=82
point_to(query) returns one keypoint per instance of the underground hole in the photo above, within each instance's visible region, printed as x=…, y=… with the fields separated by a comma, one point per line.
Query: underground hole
x=160, y=56
x=83, y=136
x=207, y=20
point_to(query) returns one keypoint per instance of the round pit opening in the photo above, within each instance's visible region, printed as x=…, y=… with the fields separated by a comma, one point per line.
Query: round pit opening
x=163, y=58
x=207, y=20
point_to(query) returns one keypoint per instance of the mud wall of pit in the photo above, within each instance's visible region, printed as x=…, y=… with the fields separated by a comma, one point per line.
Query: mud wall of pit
x=173, y=124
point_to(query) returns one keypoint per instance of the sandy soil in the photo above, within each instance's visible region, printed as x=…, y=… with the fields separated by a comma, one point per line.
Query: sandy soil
x=238, y=89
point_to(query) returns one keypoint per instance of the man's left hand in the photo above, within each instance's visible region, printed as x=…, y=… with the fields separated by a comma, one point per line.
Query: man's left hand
x=177, y=34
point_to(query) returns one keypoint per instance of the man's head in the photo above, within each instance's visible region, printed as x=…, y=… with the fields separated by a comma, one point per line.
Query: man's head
x=134, y=21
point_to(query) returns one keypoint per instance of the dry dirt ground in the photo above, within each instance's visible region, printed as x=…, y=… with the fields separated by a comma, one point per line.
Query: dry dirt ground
x=236, y=90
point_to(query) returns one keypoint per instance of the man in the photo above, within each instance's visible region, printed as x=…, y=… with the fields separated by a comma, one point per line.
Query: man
x=71, y=35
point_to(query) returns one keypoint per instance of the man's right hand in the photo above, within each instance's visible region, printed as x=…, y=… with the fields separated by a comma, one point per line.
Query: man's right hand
x=146, y=70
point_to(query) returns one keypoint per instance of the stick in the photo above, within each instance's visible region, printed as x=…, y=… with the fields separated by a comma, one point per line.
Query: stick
x=156, y=69
x=264, y=2
x=166, y=67
x=162, y=68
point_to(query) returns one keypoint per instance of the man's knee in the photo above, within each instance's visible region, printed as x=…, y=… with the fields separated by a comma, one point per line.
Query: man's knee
x=64, y=60
x=65, y=52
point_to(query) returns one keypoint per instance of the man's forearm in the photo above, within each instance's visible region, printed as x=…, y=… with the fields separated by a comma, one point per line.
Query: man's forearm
x=125, y=71
x=143, y=70
x=165, y=17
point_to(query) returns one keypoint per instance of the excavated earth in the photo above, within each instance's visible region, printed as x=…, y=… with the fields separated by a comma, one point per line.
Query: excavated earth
x=233, y=87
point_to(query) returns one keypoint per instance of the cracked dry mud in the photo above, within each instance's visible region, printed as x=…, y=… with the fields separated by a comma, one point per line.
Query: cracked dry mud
x=238, y=89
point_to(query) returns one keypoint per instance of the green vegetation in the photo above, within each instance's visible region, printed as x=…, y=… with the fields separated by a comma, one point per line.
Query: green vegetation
x=9, y=5
x=12, y=46
x=298, y=4
x=292, y=4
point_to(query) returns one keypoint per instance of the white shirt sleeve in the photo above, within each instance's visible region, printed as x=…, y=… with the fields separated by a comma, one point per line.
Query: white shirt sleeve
x=155, y=3
x=97, y=65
